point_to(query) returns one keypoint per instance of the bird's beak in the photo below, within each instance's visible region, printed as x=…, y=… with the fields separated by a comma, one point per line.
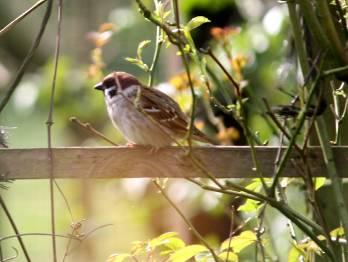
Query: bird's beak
x=99, y=86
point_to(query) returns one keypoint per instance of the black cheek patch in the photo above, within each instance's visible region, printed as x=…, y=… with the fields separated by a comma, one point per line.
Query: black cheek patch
x=112, y=93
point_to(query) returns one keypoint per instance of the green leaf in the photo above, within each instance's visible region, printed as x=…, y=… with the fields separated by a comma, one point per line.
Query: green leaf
x=165, y=236
x=250, y=205
x=295, y=254
x=255, y=185
x=205, y=256
x=132, y=60
x=238, y=243
x=196, y=22
x=169, y=240
x=228, y=256
x=141, y=47
x=337, y=232
x=185, y=253
x=118, y=257
x=160, y=11
x=319, y=182
x=138, y=247
x=138, y=63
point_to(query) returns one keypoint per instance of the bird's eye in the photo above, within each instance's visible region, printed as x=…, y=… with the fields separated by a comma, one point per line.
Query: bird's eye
x=109, y=82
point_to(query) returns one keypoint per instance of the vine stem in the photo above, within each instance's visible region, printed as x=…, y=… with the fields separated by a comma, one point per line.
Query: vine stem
x=298, y=219
x=335, y=43
x=300, y=121
x=15, y=229
x=188, y=73
x=15, y=21
x=246, y=130
x=91, y=129
x=187, y=221
x=28, y=57
x=49, y=124
x=157, y=52
x=155, y=56
x=320, y=124
x=336, y=184
x=298, y=39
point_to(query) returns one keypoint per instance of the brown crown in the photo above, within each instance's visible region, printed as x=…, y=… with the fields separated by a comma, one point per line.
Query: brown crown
x=124, y=79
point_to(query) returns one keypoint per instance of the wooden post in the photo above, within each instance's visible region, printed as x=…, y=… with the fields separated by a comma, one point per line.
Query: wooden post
x=124, y=162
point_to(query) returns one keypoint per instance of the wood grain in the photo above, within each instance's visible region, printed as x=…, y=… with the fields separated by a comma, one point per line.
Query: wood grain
x=124, y=162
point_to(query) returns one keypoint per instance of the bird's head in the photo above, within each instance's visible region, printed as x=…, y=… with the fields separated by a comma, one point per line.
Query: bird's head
x=116, y=82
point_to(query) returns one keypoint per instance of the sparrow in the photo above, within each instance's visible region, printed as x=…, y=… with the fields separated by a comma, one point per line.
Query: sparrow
x=145, y=116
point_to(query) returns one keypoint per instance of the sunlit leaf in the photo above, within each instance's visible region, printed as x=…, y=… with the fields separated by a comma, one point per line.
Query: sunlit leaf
x=138, y=63
x=162, y=237
x=141, y=47
x=160, y=11
x=319, y=182
x=132, y=60
x=228, y=256
x=138, y=247
x=118, y=257
x=250, y=205
x=337, y=232
x=238, y=243
x=295, y=253
x=185, y=253
x=255, y=185
x=170, y=240
x=205, y=256
x=196, y=22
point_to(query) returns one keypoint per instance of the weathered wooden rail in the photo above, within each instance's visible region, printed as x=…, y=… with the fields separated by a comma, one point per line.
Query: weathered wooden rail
x=124, y=162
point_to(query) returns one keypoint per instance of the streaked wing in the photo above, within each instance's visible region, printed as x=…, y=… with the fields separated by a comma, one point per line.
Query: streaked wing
x=163, y=109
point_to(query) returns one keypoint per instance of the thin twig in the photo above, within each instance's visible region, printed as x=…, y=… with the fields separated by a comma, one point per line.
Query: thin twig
x=188, y=73
x=159, y=42
x=36, y=234
x=156, y=55
x=49, y=124
x=87, y=235
x=298, y=219
x=186, y=220
x=336, y=181
x=246, y=193
x=80, y=239
x=148, y=15
x=230, y=78
x=15, y=21
x=339, y=116
x=230, y=235
x=259, y=231
x=91, y=129
x=247, y=132
x=335, y=71
x=15, y=229
x=300, y=122
x=11, y=258
x=28, y=57
x=278, y=124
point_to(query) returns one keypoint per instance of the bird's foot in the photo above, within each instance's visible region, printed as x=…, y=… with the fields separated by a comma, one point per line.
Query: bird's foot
x=151, y=149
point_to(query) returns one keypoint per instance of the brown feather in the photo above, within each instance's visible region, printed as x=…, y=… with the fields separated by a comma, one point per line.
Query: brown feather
x=167, y=112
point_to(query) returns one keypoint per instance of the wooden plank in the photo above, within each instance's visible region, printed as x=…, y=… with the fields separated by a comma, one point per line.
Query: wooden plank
x=124, y=162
